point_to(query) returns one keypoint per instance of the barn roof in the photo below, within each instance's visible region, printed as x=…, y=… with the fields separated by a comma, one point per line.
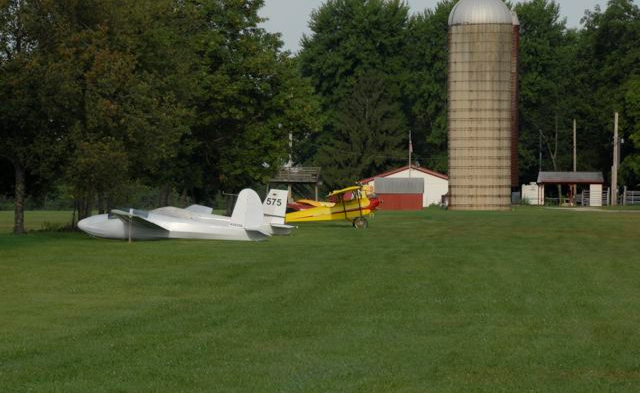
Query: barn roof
x=404, y=168
x=570, y=178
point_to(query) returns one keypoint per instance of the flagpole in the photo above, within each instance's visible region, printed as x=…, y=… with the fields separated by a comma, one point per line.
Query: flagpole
x=410, y=151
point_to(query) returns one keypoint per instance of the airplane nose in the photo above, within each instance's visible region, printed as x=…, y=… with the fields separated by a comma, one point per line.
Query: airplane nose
x=93, y=225
x=103, y=227
x=83, y=225
x=373, y=203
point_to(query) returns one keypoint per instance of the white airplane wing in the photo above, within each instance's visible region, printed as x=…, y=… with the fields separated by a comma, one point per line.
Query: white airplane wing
x=138, y=218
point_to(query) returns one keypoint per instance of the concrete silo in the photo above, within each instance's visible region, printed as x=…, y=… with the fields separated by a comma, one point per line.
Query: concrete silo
x=481, y=99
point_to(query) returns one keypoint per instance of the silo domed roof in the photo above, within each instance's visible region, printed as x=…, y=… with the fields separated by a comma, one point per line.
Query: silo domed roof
x=480, y=12
x=515, y=20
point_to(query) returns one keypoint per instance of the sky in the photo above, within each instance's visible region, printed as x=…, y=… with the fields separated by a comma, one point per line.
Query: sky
x=290, y=17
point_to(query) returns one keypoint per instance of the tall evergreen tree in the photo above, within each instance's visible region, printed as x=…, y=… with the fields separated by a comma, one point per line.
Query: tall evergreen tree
x=370, y=131
x=351, y=41
x=425, y=97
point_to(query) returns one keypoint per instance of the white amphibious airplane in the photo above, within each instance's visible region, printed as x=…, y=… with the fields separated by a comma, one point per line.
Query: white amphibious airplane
x=250, y=220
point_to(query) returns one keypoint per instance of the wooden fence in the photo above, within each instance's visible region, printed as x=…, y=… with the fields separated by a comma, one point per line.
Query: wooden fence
x=630, y=198
x=626, y=198
x=584, y=198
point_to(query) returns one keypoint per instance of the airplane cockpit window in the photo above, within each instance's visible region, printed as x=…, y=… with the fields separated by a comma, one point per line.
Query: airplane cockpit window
x=135, y=212
x=349, y=196
x=141, y=213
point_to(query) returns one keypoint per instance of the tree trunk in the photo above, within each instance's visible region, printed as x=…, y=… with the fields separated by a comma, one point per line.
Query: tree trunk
x=101, y=203
x=84, y=207
x=163, y=199
x=74, y=222
x=183, y=197
x=18, y=227
x=229, y=203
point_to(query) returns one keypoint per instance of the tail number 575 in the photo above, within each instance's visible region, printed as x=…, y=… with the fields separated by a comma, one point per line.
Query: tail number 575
x=274, y=202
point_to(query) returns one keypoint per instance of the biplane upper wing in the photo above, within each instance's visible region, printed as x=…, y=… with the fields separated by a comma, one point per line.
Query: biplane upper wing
x=344, y=190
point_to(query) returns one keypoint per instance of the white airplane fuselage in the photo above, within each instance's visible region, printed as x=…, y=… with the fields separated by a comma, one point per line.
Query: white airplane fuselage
x=168, y=227
x=250, y=221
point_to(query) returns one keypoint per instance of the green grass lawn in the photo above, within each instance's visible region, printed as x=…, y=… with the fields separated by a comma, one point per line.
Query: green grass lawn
x=35, y=220
x=533, y=300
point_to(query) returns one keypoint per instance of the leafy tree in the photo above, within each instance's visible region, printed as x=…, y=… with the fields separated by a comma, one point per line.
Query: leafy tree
x=249, y=96
x=547, y=91
x=610, y=66
x=124, y=97
x=31, y=133
x=189, y=95
x=631, y=163
x=98, y=169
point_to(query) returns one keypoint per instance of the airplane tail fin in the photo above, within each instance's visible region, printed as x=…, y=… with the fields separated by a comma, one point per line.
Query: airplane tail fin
x=248, y=212
x=275, y=206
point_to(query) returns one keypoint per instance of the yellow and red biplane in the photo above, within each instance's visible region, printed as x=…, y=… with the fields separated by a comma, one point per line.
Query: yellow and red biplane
x=351, y=204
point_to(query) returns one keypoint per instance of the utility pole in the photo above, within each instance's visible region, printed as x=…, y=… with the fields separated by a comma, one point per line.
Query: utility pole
x=575, y=162
x=616, y=159
x=290, y=163
x=540, y=151
x=575, y=157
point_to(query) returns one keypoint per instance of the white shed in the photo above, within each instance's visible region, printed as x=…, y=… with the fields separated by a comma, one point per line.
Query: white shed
x=435, y=184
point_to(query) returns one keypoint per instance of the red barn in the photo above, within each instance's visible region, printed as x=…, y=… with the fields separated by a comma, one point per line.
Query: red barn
x=409, y=188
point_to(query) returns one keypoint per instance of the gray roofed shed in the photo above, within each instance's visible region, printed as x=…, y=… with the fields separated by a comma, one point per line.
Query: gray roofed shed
x=570, y=178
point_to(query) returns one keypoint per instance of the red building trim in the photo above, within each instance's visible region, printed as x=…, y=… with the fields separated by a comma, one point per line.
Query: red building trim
x=404, y=168
x=400, y=201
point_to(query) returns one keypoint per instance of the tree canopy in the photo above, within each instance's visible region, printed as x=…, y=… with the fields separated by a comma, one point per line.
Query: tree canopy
x=195, y=97
x=355, y=58
x=174, y=94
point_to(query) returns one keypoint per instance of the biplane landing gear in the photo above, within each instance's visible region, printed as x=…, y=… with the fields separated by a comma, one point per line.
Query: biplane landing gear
x=360, y=223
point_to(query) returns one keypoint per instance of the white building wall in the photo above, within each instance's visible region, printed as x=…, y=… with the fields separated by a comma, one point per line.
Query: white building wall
x=531, y=194
x=595, y=195
x=434, y=187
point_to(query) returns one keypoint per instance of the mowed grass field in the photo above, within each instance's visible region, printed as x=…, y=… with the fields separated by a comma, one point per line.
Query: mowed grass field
x=533, y=300
x=35, y=220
